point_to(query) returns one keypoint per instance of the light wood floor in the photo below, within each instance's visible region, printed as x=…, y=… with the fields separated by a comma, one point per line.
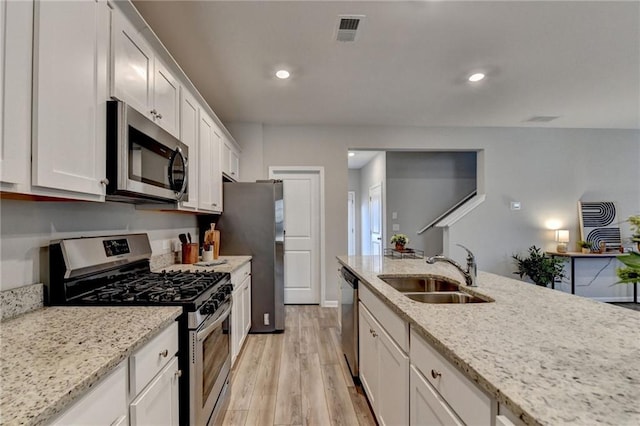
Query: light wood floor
x=298, y=377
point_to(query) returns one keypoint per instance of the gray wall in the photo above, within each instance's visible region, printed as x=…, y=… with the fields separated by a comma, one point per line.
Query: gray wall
x=547, y=170
x=27, y=227
x=423, y=185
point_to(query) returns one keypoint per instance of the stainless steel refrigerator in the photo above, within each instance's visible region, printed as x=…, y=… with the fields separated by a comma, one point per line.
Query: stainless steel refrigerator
x=253, y=224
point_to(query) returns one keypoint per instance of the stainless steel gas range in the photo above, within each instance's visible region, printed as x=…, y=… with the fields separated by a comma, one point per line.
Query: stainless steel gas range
x=115, y=270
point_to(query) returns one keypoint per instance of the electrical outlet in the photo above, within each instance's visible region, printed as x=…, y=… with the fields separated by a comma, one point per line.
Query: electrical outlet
x=515, y=205
x=266, y=319
x=394, y=215
x=166, y=244
x=395, y=227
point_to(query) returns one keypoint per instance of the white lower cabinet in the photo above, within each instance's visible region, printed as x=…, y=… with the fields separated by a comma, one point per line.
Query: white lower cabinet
x=152, y=398
x=465, y=399
x=427, y=407
x=105, y=404
x=384, y=371
x=157, y=404
x=241, y=309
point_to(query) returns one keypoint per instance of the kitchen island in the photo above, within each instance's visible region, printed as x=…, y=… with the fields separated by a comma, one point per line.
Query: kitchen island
x=549, y=357
x=52, y=356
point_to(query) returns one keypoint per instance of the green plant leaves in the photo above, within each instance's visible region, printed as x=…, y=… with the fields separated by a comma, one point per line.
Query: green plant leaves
x=541, y=269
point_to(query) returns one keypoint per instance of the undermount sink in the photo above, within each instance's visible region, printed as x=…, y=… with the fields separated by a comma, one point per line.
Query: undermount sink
x=445, y=297
x=414, y=284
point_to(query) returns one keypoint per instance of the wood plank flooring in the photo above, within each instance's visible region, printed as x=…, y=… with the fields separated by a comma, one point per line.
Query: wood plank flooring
x=299, y=377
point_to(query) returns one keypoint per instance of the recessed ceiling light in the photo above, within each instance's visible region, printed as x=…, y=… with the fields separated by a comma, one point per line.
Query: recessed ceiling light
x=282, y=74
x=476, y=77
x=352, y=154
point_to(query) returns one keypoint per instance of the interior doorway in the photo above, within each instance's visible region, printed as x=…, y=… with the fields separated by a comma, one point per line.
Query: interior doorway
x=375, y=218
x=351, y=223
x=303, y=259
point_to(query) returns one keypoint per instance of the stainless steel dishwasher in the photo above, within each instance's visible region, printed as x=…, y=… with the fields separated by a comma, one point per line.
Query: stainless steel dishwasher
x=349, y=307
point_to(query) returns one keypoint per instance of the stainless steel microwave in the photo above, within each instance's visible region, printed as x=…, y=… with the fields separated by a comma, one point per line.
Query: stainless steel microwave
x=144, y=162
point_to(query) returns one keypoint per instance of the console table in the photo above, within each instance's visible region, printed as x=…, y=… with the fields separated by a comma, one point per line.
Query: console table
x=572, y=256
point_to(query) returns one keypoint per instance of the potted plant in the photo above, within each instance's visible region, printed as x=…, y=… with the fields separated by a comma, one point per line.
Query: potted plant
x=400, y=240
x=635, y=229
x=585, y=246
x=541, y=269
x=630, y=274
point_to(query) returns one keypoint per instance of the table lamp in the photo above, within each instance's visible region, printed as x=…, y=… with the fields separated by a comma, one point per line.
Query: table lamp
x=562, y=237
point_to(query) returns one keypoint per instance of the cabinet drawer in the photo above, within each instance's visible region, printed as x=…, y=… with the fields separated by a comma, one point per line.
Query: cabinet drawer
x=470, y=403
x=239, y=275
x=150, y=359
x=397, y=328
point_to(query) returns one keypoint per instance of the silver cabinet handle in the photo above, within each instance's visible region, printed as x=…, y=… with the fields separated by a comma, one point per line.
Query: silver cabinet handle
x=435, y=374
x=159, y=116
x=164, y=353
x=373, y=333
x=178, y=373
x=104, y=181
x=153, y=112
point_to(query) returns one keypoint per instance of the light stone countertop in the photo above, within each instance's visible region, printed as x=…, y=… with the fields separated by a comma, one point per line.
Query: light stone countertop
x=233, y=263
x=550, y=357
x=50, y=357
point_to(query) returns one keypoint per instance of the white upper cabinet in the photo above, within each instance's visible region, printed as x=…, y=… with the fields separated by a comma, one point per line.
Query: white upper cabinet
x=230, y=160
x=210, y=178
x=189, y=136
x=140, y=79
x=69, y=96
x=132, y=65
x=166, y=98
x=16, y=41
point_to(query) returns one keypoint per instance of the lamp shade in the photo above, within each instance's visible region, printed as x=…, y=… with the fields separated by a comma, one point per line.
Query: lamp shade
x=562, y=235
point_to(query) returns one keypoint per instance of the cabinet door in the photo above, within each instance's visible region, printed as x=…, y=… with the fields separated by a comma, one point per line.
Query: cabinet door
x=16, y=44
x=246, y=305
x=226, y=157
x=104, y=404
x=368, y=350
x=235, y=164
x=157, y=404
x=132, y=65
x=428, y=408
x=205, y=139
x=189, y=136
x=216, y=172
x=236, y=322
x=70, y=94
x=393, y=379
x=166, y=98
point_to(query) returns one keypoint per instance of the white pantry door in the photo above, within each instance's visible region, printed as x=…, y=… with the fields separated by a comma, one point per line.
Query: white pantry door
x=301, y=191
x=375, y=218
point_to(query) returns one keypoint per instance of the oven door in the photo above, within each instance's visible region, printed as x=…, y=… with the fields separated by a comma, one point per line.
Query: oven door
x=210, y=364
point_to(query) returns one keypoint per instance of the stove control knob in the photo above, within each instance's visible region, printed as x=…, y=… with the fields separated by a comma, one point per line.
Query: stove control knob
x=208, y=308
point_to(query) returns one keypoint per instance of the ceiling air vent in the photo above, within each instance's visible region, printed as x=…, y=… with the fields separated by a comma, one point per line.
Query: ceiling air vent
x=348, y=27
x=541, y=119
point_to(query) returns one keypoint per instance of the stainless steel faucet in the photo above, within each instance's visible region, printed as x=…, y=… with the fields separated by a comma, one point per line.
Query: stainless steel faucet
x=470, y=275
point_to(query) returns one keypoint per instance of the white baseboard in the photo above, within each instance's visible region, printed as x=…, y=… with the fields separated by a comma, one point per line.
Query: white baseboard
x=330, y=304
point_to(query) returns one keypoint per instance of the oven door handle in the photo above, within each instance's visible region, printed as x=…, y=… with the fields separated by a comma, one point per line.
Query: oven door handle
x=207, y=328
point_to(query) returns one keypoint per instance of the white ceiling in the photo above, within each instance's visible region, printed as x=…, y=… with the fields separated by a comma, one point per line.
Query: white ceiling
x=575, y=60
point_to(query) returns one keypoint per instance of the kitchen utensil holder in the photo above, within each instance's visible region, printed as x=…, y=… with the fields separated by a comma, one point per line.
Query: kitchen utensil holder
x=189, y=253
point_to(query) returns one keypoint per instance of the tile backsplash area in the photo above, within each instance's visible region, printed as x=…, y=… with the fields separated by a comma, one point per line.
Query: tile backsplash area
x=20, y=300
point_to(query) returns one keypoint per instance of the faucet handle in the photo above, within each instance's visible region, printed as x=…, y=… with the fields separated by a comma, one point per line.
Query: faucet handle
x=470, y=255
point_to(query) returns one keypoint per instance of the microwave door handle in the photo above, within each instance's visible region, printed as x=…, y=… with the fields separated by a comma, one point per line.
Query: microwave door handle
x=202, y=334
x=178, y=154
